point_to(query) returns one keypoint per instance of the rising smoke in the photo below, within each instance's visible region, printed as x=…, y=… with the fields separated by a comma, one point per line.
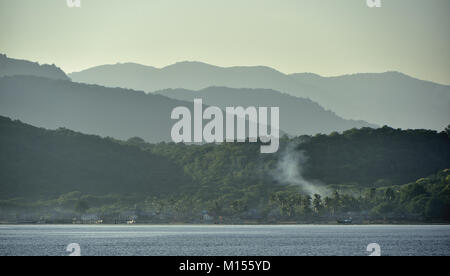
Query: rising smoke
x=289, y=171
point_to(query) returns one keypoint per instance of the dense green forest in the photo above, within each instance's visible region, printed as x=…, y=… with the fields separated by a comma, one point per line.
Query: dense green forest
x=376, y=157
x=368, y=174
x=41, y=164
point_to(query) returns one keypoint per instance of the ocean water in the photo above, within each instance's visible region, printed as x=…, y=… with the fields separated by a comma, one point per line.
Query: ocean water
x=212, y=240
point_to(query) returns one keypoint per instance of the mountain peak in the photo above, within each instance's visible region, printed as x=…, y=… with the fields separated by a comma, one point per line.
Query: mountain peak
x=189, y=65
x=388, y=98
x=11, y=67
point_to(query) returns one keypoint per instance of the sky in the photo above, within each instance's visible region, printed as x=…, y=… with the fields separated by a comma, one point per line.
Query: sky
x=326, y=37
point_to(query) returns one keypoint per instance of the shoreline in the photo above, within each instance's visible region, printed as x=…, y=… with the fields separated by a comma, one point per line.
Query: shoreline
x=236, y=224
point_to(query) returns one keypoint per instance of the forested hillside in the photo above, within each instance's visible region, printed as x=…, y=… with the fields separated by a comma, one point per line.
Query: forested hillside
x=366, y=170
x=376, y=157
x=37, y=163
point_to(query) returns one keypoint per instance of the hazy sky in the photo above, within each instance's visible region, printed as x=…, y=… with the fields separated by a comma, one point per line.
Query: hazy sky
x=328, y=37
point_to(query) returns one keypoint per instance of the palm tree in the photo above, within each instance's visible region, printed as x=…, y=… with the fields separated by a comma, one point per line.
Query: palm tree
x=317, y=203
x=389, y=194
x=306, y=205
x=328, y=202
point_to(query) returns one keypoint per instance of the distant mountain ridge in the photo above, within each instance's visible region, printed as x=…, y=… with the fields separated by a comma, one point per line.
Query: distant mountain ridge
x=389, y=98
x=90, y=109
x=298, y=116
x=12, y=67
x=189, y=75
x=124, y=113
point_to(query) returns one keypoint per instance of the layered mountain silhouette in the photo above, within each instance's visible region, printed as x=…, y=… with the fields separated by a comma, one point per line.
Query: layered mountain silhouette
x=389, y=98
x=124, y=113
x=91, y=109
x=297, y=115
x=11, y=67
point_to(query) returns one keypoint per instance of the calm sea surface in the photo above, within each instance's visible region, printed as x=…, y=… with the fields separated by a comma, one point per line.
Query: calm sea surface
x=224, y=240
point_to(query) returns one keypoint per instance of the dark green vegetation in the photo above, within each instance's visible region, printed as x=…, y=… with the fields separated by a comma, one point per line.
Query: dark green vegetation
x=376, y=157
x=370, y=174
x=38, y=164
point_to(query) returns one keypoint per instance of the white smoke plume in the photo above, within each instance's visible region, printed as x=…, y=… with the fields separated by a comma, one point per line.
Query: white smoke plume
x=289, y=171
